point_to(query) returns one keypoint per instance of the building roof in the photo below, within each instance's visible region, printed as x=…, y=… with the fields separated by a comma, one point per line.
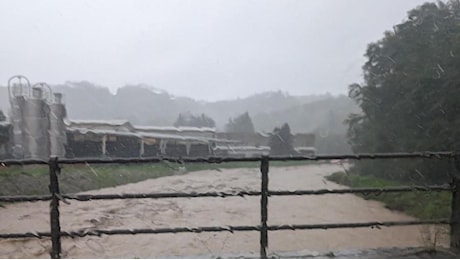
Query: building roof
x=136, y=128
x=139, y=135
x=97, y=122
x=113, y=125
x=82, y=130
x=305, y=148
x=172, y=137
x=242, y=148
x=173, y=129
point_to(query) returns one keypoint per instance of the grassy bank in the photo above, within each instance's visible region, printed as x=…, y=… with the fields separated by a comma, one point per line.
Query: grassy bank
x=423, y=205
x=34, y=179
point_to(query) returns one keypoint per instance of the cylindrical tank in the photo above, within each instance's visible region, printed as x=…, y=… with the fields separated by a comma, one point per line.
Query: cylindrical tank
x=36, y=126
x=19, y=89
x=57, y=132
x=17, y=121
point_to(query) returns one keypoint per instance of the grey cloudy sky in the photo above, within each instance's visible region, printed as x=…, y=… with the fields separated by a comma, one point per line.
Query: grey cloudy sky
x=209, y=50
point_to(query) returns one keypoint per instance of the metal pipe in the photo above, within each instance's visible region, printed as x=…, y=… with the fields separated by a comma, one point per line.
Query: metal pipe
x=425, y=155
x=54, y=210
x=264, y=165
x=99, y=232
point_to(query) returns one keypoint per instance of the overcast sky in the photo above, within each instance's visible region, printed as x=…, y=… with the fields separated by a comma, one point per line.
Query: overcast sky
x=208, y=50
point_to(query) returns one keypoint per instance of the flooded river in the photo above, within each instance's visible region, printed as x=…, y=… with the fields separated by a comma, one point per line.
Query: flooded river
x=195, y=212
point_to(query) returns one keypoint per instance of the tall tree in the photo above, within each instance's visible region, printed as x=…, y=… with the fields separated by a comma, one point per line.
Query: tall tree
x=207, y=121
x=2, y=116
x=195, y=121
x=180, y=121
x=241, y=124
x=281, y=141
x=411, y=92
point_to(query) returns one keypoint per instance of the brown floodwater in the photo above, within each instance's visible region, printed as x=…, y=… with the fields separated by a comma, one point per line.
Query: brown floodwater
x=196, y=212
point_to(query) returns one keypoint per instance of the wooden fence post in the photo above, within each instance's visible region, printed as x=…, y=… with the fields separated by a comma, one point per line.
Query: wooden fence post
x=54, y=209
x=264, y=164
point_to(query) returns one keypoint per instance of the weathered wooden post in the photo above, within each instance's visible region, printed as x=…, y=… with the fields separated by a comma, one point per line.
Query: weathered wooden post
x=264, y=207
x=455, y=215
x=54, y=209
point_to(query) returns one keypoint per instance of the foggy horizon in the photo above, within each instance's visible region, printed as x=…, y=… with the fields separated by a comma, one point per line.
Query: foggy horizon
x=154, y=89
x=205, y=50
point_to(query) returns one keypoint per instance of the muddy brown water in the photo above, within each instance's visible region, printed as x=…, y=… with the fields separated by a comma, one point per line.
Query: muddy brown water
x=195, y=212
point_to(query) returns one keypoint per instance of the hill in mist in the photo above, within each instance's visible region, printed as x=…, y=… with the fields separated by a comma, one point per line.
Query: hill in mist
x=145, y=105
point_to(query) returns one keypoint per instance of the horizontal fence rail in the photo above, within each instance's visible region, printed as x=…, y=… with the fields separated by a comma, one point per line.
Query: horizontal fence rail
x=426, y=155
x=55, y=197
x=363, y=191
x=231, y=229
x=25, y=198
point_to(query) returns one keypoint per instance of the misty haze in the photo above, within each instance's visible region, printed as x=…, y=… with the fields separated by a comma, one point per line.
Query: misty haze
x=235, y=129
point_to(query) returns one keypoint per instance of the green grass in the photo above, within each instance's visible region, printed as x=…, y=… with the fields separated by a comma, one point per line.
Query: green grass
x=34, y=179
x=423, y=205
x=31, y=170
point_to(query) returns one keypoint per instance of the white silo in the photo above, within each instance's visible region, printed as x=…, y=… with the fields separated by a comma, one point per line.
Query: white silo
x=36, y=125
x=18, y=89
x=57, y=133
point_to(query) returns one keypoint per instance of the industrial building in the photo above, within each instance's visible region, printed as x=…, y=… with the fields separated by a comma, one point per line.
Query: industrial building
x=38, y=128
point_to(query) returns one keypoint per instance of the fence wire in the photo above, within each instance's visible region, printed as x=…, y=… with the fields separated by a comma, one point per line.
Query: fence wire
x=427, y=155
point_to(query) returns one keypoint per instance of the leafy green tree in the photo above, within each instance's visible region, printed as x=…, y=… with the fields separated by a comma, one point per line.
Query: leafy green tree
x=281, y=141
x=410, y=94
x=241, y=124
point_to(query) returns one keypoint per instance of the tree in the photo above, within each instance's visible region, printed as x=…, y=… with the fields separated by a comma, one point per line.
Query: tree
x=207, y=121
x=281, y=141
x=195, y=121
x=180, y=121
x=409, y=98
x=2, y=116
x=241, y=124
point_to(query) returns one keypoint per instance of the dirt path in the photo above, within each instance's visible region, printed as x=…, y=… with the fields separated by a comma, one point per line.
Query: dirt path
x=150, y=213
